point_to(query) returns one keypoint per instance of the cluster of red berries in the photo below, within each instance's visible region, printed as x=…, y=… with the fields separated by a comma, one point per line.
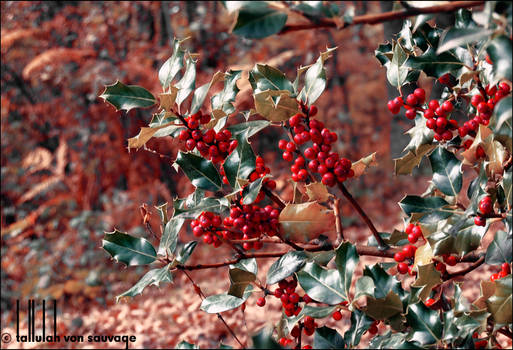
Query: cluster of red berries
x=260, y=171
x=290, y=300
x=505, y=270
x=484, y=107
x=285, y=341
x=322, y=159
x=206, y=225
x=485, y=208
x=211, y=145
x=405, y=257
x=252, y=221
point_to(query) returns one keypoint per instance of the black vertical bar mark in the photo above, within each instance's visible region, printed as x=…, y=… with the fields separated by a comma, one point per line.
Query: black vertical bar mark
x=44, y=317
x=33, y=320
x=29, y=315
x=18, y=317
x=55, y=318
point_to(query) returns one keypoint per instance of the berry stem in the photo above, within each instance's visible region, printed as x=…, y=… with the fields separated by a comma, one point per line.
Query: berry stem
x=273, y=197
x=381, y=243
x=463, y=272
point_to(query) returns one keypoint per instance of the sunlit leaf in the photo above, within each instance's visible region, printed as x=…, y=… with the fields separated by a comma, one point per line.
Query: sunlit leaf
x=127, y=97
x=128, y=249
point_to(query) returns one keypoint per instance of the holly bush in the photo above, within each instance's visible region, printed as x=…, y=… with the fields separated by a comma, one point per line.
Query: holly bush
x=415, y=300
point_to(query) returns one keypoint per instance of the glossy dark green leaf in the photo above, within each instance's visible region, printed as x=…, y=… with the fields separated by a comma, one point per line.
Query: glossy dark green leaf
x=364, y=286
x=188, y=82
x=502, y=122
x=127, y=97
x=258, y=22
x=285, y=266
x=420, y=137
x=454, y=37
x=431, y=207
x=200, y=171
x=201, y=93
x=360, y=323
x=315, y=79
x=317, y=311
x=264, y=340
x=264, y=77
x=397, y=71
x=223, y=101
x=251, y=128
x=447, y=175
x=327, y=338
x=434, y=65
x=129, y=249
x=499, y=51
x=458, y=235
x=384, y=53
x=170, y=236
x=251, y=191
x=321, y=284
x=185, y=253
x=224, y=302
x=185, y=345
x=172, y=66
x=240, y=163
x=206, y=204
x=500, y=248
x=346, y=261
x=425, y=323
x=383, y=282
x=155, y=276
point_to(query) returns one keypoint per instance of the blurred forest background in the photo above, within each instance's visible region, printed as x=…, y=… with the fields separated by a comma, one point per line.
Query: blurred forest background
x=67, y=175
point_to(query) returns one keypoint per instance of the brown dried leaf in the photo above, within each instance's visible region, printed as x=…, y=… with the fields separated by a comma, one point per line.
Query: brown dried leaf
x=167, y=99
x=276, y=112
x=360, y=166
x=317, y=191
x=469, y=156
x=306, y=221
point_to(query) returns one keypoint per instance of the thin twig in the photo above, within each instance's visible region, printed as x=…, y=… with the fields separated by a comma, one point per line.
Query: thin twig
x=381, y=17
x=338, y=221
x=273, y=197
x=463, y=272
x=364, y=216
x=198, y=290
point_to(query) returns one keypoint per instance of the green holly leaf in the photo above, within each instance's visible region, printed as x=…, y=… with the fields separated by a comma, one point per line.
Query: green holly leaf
x=435, y=65
x=172, y=66
x=384, y=308
x=186, y=251
x=264, y=77
x=383, y=282
x=499, y=250
x=364, y=286
x=127, y=97
x=327, y=338
x=321, y=284
x=317, y=312
x=502, y=122
x=346, y=261
x=499, y=51
x=285, y=266
x=420, y=135
x=206, y=204
x=184, y=345
x=250, y=128
x=384, y=54
x=240, y=163
x=428, y=277
x=454, y=37
x=457, y=235
x=426, y=326
x=128, y=249
x=200, y=171
x=391, y=340
x=155, y=276
x=499, y=303
x=255, y=20
x=222, y=102
x=201, y=93
x=397, y=71
x=224, y=302
x=170, y=236
x=447, y=175
x=264, y=340
x=315, y=79
x=188, y=82
x=251, y=191
x=360, y=323
x=507, y=187
x=431, y=208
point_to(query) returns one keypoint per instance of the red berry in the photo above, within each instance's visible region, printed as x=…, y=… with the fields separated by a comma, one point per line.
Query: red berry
x=433, y=104
x=494, y=277
x=428, y=114
x=310, y=153
x=309, y=321
x=479, y=221
x=295, y=332
x=504, y=87
x=295, y=120
x=412, y=238
x=441, y=123
x=444, y=79
x=417, y=231
x=420, y=94
x=409, y=251
x=447, y=106
x=193, y=123
x=429, y=302
x=503, y=274
x=294, y=298
x=261, y=302
x=412, y=100
x=399, y=257
x=409, y=228
x=307, y=299
x=441, y=267
x=328, y=179
x=283, y=341
x=373, y=329
x=476, y=100
x=184, y=135
x=431, y=123
x=411, y=114
x=486, y=206
x=480, y=153
x=480, y=344
x=505, y=267
x=337, y=316
x=451, y=260
x=402, y=268
x=447, y=135
x=313, y=111
x=291, y=147
x=288, y=156
x=307, y=346
x=282, y=144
